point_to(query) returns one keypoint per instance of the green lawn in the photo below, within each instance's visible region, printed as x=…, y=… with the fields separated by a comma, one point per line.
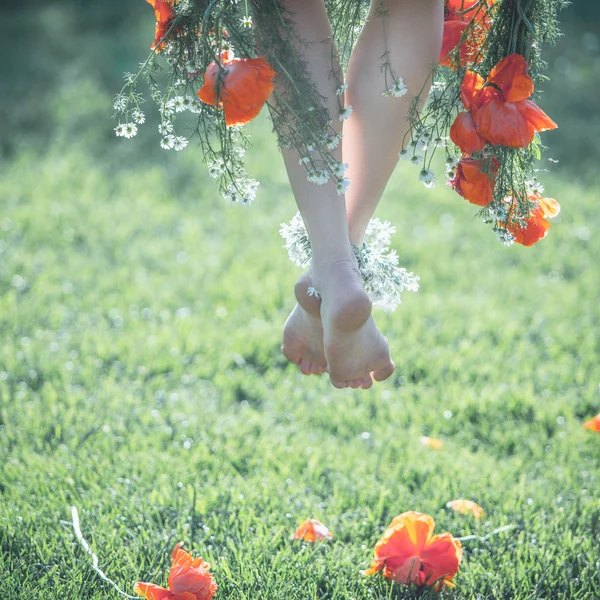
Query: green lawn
x=141, y=381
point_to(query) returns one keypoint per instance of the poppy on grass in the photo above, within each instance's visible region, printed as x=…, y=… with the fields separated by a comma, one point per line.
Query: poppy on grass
x=593, y=424
x=409, y=553
x=189, y=579
x=312, y=531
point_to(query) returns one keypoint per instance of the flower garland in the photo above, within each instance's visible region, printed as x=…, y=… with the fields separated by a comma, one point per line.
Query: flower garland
x=382, y=278
x=481, y=94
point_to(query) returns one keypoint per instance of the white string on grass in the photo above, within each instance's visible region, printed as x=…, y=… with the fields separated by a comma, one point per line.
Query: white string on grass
x=468, y=538
x=86, y=547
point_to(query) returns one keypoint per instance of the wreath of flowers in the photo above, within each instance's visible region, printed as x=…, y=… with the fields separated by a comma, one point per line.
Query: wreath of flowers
x=481, y=95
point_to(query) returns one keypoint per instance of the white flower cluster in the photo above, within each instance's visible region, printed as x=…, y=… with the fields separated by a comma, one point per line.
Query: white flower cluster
x=383, y=280
x=242, y=191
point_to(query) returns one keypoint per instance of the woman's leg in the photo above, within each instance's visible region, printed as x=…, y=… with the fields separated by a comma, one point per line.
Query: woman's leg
x=374, y=132
x=352, y=345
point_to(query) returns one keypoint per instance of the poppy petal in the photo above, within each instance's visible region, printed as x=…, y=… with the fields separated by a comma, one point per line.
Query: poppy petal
x=247, y=86
x=311, y=531
x=539, y=120
x=502, y=124
x=464, y=134
x=471, y=86
x=185, y=596
x=441, y=558
x=460, y=6
x=190, y=575
x=418, y=525
x=474, y=182
x=151, y=591
x=593, y=424
x=466, y=506
x=453, y=31
x=550, y=207
x=511, y=76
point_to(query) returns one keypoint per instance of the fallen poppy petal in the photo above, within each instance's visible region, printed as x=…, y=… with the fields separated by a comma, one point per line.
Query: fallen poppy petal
x=151, y=591
x=466, y=506
x=441, y=559
x=312, y=531
x=464, y=134
x=189, y=574
x=593, y=424
x=538, y=119
x=502, y=124
x=511, y=76
x=432, y=443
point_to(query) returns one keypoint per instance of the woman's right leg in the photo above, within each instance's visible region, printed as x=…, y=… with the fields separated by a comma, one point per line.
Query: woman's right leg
x=354, y=348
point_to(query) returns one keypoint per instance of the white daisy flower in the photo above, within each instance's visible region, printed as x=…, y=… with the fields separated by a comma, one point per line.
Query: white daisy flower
x=345, y=112
x=120, y=103
x=341, y=185
x=180, y=143
x=416, y=159
x=167, y=142
x=318, y=177
x=331, y=143
x=427, y=176
x=304, y=160
x=120, y=130
x=339, y=169
x=216, y=168
x=246, y=21
x=311, y=291
x=341, y=89
x=177, y=104
x=130, y=130
x=138, y=116
x=397, y=90
x=165, y=128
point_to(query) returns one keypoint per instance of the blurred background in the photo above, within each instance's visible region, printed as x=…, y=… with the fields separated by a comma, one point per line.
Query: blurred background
x=67, y=57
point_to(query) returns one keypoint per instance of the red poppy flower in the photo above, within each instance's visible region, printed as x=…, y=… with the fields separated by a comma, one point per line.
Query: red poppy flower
x=593, y=424
x=189, y=579
x=475, y=180
x=164, y=15
x=537, y=225
x=244, y=84
x=409, y=554
x=312, y=531
x=499, y=111
x=461, y=14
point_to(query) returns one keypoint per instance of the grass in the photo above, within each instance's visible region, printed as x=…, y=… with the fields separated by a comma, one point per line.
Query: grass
x=141, y=379
x=141, y=382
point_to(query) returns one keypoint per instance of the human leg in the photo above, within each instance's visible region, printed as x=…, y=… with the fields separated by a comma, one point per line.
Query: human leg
x=353, y=347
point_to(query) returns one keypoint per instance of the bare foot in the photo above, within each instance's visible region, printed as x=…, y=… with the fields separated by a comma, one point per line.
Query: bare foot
x=355, y=350
x=303, y=332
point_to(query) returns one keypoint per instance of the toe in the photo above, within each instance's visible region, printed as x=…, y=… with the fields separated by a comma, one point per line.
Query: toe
x=366, y=383
x=305, y=367
x=316, y=369
x=385, y=372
